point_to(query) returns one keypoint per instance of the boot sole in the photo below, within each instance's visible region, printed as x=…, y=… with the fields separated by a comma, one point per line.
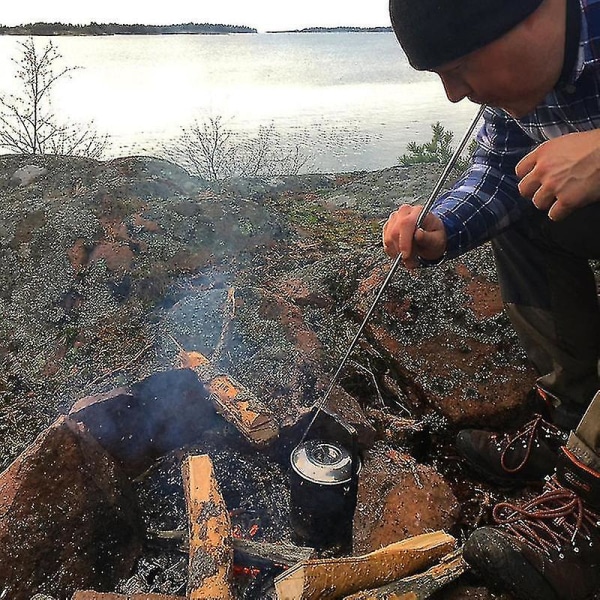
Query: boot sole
x=507, y=569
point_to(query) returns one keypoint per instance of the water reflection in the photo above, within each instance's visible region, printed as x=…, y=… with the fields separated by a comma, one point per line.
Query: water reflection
x=349, y=97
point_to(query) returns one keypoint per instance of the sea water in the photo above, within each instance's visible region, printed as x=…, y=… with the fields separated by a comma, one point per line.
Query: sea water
x=350, y=101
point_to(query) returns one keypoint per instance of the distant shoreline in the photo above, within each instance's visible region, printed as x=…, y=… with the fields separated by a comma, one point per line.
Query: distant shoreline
x=336, y=30
x=104, y=29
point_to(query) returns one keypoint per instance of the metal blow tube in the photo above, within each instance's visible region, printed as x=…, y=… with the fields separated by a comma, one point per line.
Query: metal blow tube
x=396, y=264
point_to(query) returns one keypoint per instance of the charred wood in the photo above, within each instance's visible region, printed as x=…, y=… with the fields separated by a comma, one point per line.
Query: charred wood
x=249, y=553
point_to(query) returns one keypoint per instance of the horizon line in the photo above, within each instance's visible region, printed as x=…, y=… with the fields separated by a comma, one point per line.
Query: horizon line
x=67, y=24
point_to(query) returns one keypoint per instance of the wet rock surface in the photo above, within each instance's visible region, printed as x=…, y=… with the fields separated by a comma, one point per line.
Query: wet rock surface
x=68, y=518
x=109, y=270
x=412, y=499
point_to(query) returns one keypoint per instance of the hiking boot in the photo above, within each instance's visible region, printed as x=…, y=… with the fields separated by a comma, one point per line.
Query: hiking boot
x=549, y=547
x=518, y=458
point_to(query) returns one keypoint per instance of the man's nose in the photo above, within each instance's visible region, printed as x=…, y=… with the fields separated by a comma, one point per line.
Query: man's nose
x=455, y=87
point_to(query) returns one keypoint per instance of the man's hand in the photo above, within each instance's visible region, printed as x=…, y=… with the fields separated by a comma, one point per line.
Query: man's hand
x=400, y=237
x=563, y=174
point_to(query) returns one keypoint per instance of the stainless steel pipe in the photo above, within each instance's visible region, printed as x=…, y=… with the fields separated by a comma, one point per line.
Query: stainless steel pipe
x=397, y=262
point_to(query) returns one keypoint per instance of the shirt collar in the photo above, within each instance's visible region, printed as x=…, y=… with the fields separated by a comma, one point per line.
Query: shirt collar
x=589, y=44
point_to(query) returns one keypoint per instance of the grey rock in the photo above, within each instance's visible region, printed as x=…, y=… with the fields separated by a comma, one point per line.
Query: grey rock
x=28, y=174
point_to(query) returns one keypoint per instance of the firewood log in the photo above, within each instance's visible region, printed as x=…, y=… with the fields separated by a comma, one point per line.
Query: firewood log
x=234, y=402
x=268, y=554
x=211, y=552
x=420, y=586
x=328, y=579
x=246, y=553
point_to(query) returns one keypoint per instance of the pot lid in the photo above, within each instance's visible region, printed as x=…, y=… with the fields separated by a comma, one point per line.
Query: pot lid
x=321, y=462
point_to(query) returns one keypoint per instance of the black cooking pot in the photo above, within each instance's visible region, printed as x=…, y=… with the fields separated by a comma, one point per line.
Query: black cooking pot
x=323, y=484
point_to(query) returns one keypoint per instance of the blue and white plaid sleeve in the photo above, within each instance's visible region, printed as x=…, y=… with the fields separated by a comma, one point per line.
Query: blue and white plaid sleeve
x=486, y=199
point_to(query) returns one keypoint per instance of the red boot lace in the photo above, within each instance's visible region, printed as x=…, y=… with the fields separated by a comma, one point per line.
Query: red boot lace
x=529, y=433
x=549, y=521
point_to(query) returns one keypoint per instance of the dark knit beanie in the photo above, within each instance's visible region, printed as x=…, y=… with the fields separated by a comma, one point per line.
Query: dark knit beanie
x=434, y=32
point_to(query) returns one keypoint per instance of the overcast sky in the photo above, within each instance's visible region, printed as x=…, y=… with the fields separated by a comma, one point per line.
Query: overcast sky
x=262, y=14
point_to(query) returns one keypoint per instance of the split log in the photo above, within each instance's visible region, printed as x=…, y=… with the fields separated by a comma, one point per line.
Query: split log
x=328, y=579
x=233, y=401
x=420, y=586
x=249, y=553
x=267, y=554
x=211, y=553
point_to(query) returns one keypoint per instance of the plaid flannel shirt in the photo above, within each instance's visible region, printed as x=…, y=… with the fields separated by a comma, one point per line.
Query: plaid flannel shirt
x=486, y=200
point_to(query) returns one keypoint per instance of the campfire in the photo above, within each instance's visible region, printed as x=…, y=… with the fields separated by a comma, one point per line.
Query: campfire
x=183, y=485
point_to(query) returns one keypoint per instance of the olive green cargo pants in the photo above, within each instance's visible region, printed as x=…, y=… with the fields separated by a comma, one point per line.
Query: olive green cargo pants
x=550, y=292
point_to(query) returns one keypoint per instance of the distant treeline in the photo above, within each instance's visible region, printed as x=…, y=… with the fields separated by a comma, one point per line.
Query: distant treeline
x=337, y=30
x=118, y=29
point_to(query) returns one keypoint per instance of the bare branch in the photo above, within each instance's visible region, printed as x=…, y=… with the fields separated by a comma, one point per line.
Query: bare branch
x=29, y=124
x=211, y=150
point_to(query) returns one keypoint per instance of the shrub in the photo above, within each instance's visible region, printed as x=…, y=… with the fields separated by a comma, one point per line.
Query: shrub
x=28, y=124
x=211, y=149
x=438, y=150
